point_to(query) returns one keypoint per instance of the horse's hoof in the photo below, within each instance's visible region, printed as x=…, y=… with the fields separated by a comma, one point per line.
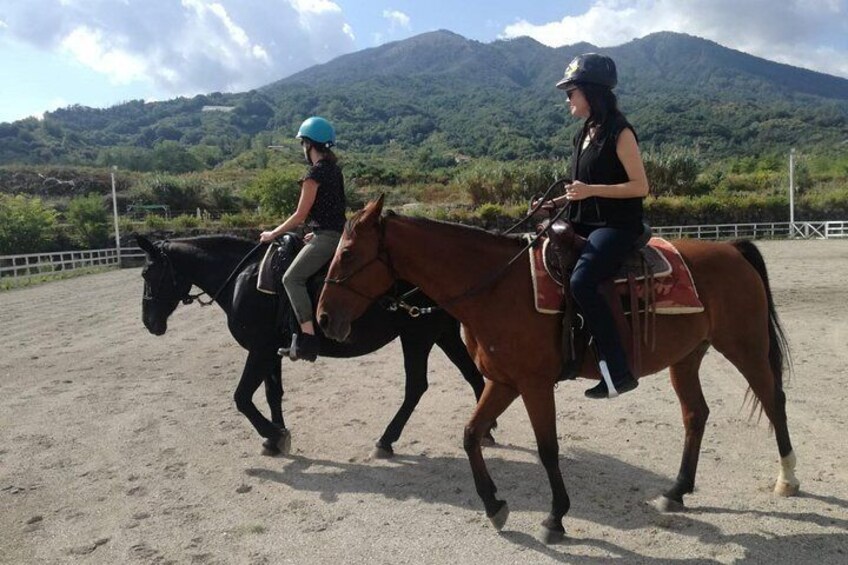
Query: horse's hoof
x=665, y=504
x=382, y=452
x=279, y=446
x=487, y=441
x=782, y=488
x=549, y=536
x=499, y=518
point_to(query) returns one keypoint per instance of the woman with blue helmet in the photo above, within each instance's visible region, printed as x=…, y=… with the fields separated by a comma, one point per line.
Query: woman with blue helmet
x=322, y=208
x=605, y=205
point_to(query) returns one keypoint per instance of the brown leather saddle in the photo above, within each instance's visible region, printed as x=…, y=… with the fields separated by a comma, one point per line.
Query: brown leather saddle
x=644, y=263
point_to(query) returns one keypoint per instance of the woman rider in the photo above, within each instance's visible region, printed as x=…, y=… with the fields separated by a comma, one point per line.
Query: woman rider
x=322, y=207
x=605, y=205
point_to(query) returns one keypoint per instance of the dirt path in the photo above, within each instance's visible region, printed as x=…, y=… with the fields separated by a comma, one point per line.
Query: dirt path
x=120, y=447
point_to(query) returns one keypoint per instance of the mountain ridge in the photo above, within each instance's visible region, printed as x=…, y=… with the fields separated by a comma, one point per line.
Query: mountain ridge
x=443, y=94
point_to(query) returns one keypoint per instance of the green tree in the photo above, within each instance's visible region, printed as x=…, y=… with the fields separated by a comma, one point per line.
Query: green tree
x=25, y=225
x=276, y=190
x=90, y=220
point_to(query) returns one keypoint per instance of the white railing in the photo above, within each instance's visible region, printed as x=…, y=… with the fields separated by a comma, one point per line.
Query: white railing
x=33, y=264
x=774, y=230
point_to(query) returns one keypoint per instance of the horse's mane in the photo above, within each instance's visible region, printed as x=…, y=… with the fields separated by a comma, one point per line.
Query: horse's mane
x=486, y=237
x=215, y=245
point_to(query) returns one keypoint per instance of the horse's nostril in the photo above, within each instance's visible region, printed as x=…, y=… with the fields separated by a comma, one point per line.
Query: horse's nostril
x=324, y=320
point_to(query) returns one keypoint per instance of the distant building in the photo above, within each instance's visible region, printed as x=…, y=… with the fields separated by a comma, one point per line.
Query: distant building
x=217, y=108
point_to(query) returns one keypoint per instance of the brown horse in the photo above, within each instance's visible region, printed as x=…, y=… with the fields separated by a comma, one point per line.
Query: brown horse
x=468, y=272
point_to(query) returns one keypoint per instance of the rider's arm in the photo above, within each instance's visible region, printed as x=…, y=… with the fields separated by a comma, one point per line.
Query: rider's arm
x=308, y=191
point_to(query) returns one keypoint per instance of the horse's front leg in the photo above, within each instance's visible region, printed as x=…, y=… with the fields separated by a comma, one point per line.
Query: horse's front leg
x=416, y=350
x=259, y=365
x=541, y=408
x=496, y=398
x=451, y=343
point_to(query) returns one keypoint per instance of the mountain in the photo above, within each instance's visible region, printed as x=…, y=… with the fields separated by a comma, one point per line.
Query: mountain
x=438, y=94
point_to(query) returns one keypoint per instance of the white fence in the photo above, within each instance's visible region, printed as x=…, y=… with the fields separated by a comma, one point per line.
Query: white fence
x=19, y=266
x=775, y=230
x=33, y=264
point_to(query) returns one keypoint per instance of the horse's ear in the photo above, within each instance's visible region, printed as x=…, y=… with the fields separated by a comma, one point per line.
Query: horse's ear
x=373, y=210
x=147, y=246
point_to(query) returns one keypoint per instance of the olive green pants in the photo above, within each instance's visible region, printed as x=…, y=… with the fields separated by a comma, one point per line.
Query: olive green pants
x=314, y=255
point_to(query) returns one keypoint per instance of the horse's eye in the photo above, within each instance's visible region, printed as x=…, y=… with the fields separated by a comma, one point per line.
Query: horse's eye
x=346, y=255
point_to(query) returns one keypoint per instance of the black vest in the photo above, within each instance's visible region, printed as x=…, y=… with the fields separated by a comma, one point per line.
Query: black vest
x=598, y=163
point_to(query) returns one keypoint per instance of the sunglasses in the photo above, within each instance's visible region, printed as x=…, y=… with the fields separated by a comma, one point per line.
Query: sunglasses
x=570, y=93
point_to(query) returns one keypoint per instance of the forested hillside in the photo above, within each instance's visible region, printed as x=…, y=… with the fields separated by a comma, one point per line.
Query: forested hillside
x=437, y=96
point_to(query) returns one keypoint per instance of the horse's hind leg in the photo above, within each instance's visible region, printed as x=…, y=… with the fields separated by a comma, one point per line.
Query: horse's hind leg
x=693, y=406
x=496, y=398
x=416, y=351
x=752, y=361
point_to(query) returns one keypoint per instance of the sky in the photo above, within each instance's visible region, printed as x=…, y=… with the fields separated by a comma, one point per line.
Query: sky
x=56, y=53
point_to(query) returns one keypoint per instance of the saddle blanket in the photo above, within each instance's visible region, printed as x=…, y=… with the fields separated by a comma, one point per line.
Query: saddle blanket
x=675, y=292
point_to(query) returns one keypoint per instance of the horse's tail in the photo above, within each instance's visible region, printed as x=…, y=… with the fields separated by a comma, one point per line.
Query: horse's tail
x=778, y=345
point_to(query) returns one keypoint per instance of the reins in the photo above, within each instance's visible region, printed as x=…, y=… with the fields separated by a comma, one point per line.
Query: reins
x=395, y=303
x=415, y=311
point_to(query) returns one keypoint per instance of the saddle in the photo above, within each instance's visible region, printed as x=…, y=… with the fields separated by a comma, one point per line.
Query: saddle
x=559, y=253
x=278, y=258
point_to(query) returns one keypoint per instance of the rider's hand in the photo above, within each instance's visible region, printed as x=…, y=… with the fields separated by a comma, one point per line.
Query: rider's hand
x=578, y=191
x=266, y=236
x=308, y=237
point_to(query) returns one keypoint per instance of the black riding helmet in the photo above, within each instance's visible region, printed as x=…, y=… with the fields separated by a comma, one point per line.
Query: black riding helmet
x=589, y=68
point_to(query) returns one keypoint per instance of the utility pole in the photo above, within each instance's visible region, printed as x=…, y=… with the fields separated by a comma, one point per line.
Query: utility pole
x=115, y=215
x=792, y=192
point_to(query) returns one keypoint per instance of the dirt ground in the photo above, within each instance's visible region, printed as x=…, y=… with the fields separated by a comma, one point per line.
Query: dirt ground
x=117, y=446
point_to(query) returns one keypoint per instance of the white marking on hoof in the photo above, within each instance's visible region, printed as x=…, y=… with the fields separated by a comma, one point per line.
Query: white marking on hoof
x=787, y=483
x=499, y=519
x=665, y=504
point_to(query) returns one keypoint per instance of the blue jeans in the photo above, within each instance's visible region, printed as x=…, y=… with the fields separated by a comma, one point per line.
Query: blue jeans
x=600, y=260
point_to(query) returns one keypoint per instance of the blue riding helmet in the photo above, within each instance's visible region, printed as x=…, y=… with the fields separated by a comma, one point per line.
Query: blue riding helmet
x=317, y=129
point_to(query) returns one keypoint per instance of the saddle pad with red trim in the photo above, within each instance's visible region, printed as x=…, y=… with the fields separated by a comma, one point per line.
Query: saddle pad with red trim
x=675, y=293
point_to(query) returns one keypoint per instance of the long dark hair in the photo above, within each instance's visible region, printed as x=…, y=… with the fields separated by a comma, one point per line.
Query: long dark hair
x=603, y=105
x=322, y=148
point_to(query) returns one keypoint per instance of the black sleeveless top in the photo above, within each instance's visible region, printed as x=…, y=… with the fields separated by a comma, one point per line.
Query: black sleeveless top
x=328, y=210
x=598, y=163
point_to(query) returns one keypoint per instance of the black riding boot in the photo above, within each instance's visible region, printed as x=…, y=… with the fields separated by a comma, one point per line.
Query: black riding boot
x=622, y=384
x=304, y=347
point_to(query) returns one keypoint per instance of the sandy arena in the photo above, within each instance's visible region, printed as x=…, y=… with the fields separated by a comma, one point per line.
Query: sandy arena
x=117, y=446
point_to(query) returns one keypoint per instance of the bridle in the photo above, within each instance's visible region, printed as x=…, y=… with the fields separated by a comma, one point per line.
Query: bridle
x=391, y=302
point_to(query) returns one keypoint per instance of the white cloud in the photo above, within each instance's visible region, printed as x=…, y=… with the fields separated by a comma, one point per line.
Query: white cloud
x=805, y=33
x=186, y=46
x=397, y=18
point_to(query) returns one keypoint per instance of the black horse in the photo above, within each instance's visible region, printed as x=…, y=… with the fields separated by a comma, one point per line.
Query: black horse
x=208, y=262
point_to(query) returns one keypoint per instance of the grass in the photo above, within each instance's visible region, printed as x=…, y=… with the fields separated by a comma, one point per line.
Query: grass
x=9, y=283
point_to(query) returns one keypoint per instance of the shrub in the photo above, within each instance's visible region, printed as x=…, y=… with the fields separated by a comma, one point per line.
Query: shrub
x=186, y=221
x=155, y=223
x=25, y=225
x=89, y=219
x=276, y=190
